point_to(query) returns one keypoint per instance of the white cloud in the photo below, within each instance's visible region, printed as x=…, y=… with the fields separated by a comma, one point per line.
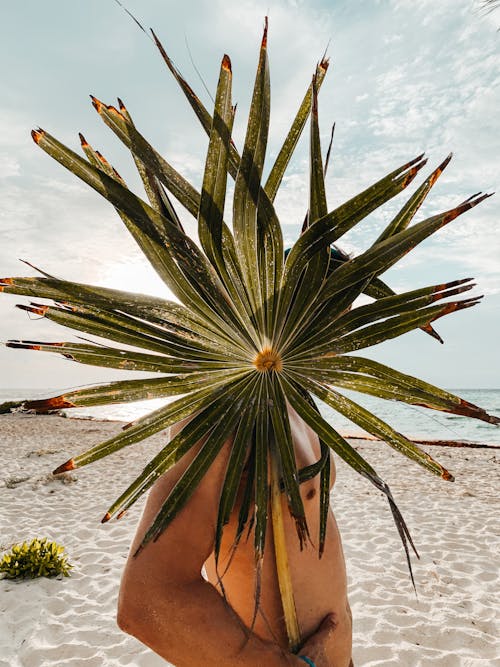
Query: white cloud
x=392, y=39
x=9, y=166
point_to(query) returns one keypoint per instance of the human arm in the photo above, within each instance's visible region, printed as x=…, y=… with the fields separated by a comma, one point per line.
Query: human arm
x=322, y=645
x=164, y=600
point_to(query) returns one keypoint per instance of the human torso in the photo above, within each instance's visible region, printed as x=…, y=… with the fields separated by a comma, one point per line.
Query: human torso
x=319, y=584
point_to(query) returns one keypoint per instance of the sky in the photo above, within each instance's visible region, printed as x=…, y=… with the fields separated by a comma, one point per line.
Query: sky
x=405, y=77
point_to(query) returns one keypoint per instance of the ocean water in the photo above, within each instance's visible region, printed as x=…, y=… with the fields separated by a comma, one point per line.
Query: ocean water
x=413, y=421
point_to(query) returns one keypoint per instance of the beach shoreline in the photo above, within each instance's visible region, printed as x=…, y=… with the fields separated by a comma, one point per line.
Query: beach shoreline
x=71, y=622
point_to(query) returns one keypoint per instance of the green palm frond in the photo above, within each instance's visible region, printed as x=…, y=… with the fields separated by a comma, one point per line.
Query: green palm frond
x=256, y=328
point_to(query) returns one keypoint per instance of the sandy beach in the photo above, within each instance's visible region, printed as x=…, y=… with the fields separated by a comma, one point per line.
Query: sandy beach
x=71, y=622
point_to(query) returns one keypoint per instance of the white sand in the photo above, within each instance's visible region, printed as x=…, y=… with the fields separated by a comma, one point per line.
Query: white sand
x=58, y=622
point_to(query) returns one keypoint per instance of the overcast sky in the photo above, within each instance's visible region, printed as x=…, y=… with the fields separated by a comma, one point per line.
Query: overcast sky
x=405, y=77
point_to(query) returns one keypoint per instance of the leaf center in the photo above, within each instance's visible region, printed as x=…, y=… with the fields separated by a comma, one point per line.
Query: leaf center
x=268, y=360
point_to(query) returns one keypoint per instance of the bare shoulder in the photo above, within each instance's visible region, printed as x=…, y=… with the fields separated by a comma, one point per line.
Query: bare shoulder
x=181, y=550
x=306, y=443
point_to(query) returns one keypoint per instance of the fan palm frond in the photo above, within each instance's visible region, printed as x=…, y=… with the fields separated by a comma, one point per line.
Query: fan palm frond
x=256, y=328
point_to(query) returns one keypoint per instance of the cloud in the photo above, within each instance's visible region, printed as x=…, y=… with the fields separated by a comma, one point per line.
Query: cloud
x=426, y=78
x=9, y=166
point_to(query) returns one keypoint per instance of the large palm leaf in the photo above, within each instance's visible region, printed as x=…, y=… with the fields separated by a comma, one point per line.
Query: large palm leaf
x=255, y=327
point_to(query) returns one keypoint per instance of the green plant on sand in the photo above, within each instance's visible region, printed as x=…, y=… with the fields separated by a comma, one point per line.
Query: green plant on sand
x=255, y=329
x=39, y=558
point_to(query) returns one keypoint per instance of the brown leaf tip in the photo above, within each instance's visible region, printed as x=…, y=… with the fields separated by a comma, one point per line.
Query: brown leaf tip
x=446, y=161
x=106, y=517
x=324, y=64
x=226, y=63
x=413, y=172
x=83, y=141
x=264, y=36
x=121, y=105
x=97, y=104
x=34, y=308
x=24, y=346
x=447, y=476
x=21, y=345
x=37, y=135
x=50, y=404
x=439, y=170
x=65, y=467
x=4, y=282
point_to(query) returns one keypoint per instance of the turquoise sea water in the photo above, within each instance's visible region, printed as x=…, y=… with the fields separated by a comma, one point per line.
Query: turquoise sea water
x=416, y=422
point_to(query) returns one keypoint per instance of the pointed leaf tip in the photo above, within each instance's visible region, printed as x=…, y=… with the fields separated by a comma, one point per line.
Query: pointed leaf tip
x=34, y=308
x=121, y=105
x=65, y=467
x=37, y=135
x=459, y=305
x=83, y=141
x=432, y=332
x=106, y=517
x=439, y=170
x=413, y=172
x=20, y=345
x=49, y=404
x=157, y=41
x=32, y=266
x=4, y=282
x=324, y=63
x=226, y=63
x=264, y=36
x=97, y=104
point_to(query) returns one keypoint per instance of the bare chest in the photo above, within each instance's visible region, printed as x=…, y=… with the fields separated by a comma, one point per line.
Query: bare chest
x=319, y=584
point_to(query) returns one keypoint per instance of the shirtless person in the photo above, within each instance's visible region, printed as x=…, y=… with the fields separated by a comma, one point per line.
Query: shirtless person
x=167, y=604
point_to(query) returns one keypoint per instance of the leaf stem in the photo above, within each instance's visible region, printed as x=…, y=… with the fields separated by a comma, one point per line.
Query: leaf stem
x=282, y=565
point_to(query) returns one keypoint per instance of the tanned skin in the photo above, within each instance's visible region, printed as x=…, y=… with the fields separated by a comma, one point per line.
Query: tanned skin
x=167, y=604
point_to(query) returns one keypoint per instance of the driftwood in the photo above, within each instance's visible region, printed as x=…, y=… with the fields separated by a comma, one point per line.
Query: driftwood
x=435, y=443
